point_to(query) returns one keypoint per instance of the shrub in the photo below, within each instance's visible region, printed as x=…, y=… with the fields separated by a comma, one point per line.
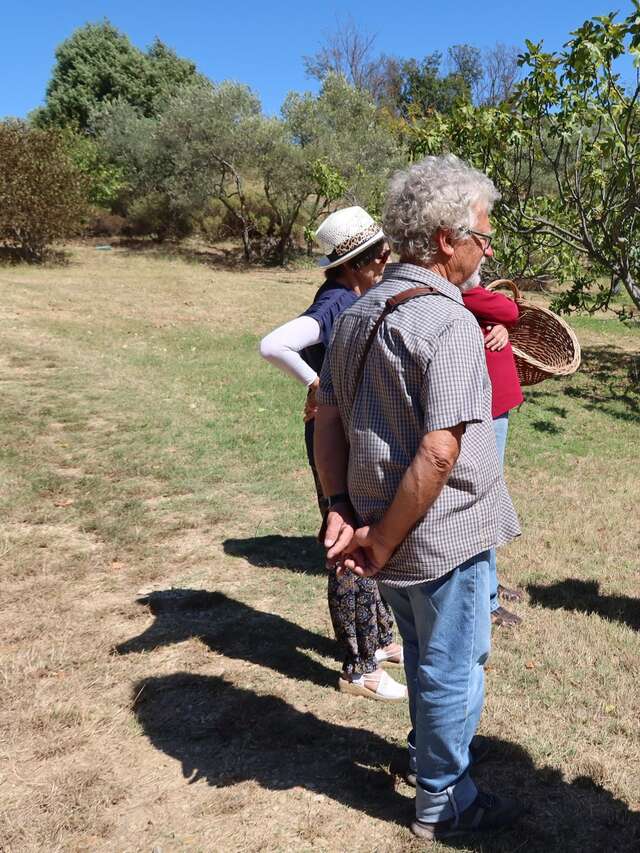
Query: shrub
x=102, y=223
x=155, y=214
x=42, y=193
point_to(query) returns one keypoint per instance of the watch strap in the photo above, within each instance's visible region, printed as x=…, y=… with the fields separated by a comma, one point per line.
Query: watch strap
x=340, y=498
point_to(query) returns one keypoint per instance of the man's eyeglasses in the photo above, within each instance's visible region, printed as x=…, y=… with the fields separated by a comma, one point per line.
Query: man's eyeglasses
x=486, y=238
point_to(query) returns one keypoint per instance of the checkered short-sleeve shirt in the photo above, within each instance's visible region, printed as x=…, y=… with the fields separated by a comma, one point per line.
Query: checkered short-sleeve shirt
x=426, y=370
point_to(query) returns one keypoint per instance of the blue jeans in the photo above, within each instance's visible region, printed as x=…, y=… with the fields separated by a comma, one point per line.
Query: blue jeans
x=500, y=428
x=446, y=631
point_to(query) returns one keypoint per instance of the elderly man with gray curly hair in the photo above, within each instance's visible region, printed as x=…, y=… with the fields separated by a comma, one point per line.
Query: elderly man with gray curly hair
x=406, y=451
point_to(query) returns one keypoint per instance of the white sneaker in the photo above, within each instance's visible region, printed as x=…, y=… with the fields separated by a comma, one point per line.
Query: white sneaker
x=387, y=690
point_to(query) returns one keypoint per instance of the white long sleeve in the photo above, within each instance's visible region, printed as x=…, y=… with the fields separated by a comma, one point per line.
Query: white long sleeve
x=282, y=347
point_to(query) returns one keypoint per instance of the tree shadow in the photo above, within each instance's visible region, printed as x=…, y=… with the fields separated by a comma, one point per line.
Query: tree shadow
x=226, y=734
x=614, y=377
x=236, y=630
x=560, y=411
x=295, y=553
x=585, y=597
x=216, y=257
x=547, y=427
x=13, y=256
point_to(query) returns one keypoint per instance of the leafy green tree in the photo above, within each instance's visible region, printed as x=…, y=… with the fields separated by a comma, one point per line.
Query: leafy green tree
x=97, y=65
x=466, y=62
x=209, y=137
x=131, y=144
x=272, y=177
x=42, y=192
x=341, y=127
x=424, y=90
x=565, y=154
x=167, y=74
x=105, y=181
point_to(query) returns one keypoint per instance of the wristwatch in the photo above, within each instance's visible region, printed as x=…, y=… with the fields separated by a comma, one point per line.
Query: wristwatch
x=340, y=498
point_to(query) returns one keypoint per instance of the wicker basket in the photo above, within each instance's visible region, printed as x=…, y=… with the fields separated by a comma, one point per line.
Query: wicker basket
x=542, y=343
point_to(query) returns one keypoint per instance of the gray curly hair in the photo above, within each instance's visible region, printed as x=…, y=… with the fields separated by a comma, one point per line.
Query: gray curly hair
x=438, y=192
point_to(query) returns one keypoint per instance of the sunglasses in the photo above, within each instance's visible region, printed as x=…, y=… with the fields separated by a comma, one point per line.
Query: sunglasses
x=376, y=254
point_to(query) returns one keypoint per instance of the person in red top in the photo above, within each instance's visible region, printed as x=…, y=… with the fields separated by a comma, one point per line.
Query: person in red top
x=496, y=313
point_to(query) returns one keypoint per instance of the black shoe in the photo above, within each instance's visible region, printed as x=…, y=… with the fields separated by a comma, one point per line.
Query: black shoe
x=487, y=812
x=480, y=748
x=504, y=618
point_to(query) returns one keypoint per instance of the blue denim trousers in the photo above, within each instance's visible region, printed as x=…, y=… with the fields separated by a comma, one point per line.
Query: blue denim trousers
x=500, y=428
x=446, y=630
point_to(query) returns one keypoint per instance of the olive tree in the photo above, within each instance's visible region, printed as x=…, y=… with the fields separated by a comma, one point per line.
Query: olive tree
x=342, y=129
x=273, y=177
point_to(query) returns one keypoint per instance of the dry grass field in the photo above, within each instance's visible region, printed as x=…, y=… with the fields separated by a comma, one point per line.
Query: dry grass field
x=167, y=669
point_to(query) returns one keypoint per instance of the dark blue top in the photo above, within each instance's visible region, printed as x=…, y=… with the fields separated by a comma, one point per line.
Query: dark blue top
x=330, y=301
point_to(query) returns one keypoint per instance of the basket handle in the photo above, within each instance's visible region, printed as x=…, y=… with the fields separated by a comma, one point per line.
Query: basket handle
x=510, y=285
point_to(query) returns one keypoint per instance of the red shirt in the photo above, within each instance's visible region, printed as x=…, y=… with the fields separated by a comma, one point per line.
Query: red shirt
x=489, y=308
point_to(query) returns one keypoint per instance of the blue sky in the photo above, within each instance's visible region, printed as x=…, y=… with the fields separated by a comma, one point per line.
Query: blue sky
x=262, y=43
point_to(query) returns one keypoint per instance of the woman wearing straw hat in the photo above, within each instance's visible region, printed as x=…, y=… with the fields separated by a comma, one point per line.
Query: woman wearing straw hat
x=356, y=254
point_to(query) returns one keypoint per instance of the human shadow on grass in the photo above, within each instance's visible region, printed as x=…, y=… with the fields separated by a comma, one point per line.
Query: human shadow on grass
x=585, y=596
x=235, y=630
x=295, y=553
x=226, y=734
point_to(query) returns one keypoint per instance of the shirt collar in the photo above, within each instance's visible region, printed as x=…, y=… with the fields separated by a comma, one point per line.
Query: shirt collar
x=419, y=276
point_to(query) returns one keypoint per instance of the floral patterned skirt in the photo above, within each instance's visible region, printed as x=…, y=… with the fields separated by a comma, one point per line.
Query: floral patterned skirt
x=361, y=620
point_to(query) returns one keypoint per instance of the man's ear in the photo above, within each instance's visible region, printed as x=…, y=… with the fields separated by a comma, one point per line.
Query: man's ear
x=443, y=239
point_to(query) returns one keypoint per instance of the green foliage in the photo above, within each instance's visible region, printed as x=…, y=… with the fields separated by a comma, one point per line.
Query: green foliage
x=163, y=146
x=341, y=126
x=130, y=144
x=424, y=90
x=329, y=182
x=97, y=65
x=42, y=192
x=207, y=137
x=564, y=153
x=105, y=180
x=167, y=73
x=272, y=177
x=154, y=213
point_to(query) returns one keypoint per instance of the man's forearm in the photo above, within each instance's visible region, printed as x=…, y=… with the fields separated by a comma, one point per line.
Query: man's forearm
x=330, y=450
x=421, y=484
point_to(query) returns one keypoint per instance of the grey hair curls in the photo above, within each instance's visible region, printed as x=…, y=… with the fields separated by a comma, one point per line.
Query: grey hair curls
x=438, y=192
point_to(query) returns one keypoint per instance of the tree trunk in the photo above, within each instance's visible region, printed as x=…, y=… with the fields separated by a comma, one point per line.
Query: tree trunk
x=246, y=243
x=283, y=242
x=633, y=290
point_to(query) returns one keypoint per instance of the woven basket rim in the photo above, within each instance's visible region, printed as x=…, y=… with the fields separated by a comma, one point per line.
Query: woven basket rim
x=565, y=370
x=550, y=370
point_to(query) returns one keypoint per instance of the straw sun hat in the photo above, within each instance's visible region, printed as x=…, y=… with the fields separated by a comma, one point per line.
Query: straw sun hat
x=346, y=233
